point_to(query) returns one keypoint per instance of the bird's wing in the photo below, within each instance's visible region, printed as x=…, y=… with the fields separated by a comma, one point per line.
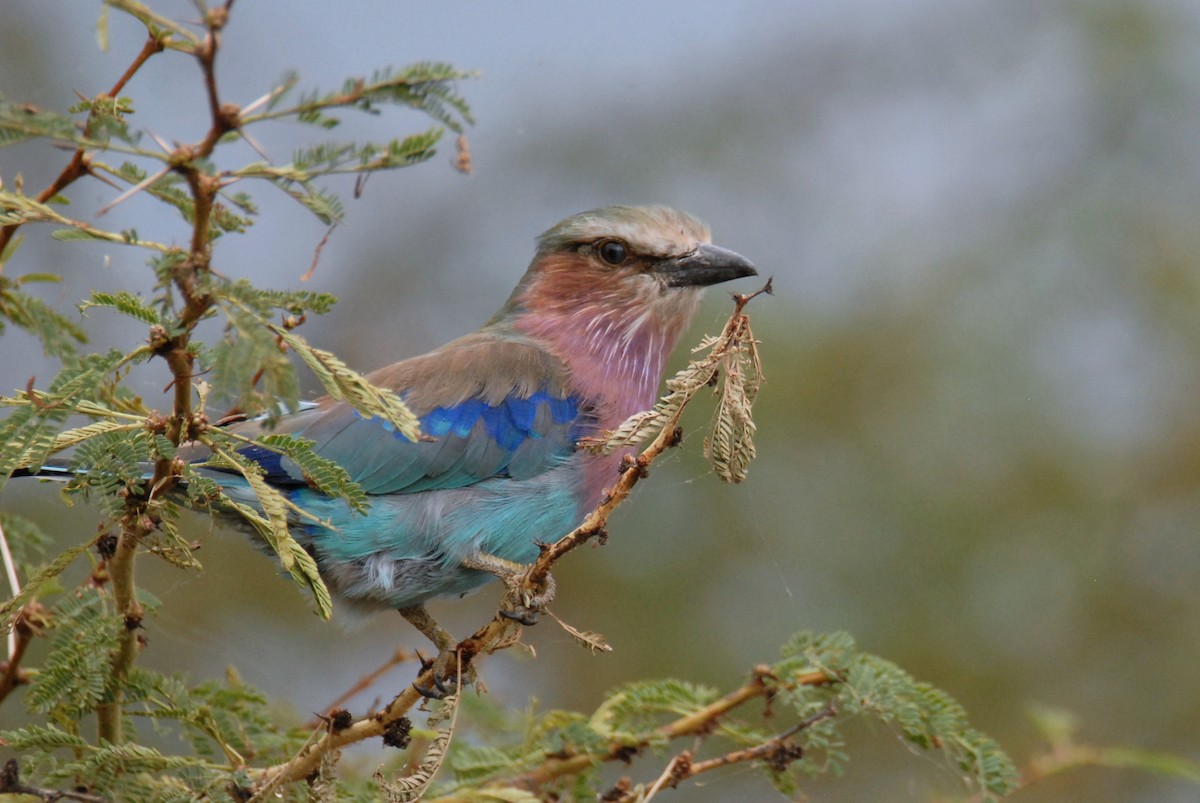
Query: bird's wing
x=489, y=406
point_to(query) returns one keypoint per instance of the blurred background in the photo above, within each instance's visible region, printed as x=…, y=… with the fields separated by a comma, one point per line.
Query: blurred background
x=979, y=439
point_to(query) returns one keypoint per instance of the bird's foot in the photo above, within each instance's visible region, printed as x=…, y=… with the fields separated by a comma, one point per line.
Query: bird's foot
x=444, y=678
x=443, y=671
x=522, y=603
x=523, y=607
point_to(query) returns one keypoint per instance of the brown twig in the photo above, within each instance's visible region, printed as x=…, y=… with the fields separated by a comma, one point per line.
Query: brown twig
x=699, y=722
x=317, y=254
x=79, y=165
x=24, y=629
x=778, y=751
x=141, y=517
x=121, y=573
x=397, y=658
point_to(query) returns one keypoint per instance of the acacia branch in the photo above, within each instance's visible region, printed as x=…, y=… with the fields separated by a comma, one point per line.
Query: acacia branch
x=25, y=627
x=80, y=163
x=121, y=565
x=778, y=752
x=141, y=516
x=365, y=682
x=121, y=573
x=761, y=684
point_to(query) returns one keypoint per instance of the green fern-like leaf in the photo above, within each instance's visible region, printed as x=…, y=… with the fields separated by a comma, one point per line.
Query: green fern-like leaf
x=110, y=465
x=864, y=684
x=249, y=352
x=634, y=709
x=106, y=119
x=167, y=541
x=271, y=522
x=126, y=303
x=28, y=432
x=83, y=235
x=34, y=584
x=476, y=762
x=38, y=737
x=325, y=205
x=21, y=121
x=267, y=302
x=320, y=472
x=342, y=382
x=58, y=334
x=427, y=86
x=26, y=539
x=75, y=675
x=401, y=152
x=104, y=765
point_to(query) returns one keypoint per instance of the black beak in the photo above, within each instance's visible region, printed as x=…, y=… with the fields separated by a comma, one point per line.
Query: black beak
x=708, y=264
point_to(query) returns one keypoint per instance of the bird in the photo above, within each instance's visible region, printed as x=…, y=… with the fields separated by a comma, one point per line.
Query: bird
x=579, y=346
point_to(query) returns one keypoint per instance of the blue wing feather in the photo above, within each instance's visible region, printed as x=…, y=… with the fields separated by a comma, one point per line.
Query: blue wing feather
x=523, y=431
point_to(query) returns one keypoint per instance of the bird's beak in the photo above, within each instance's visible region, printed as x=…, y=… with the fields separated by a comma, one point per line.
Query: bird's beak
x=708, y=264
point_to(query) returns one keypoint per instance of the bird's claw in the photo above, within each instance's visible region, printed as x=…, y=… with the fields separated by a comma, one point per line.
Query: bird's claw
x=519, y=605
x=520, y=615
x=443, y=670
x=523, y=607
x=444, y=679
x=440, y=690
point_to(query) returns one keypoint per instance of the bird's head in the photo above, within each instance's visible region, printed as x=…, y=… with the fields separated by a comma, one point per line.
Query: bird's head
x=611, y=291
x=628, y=264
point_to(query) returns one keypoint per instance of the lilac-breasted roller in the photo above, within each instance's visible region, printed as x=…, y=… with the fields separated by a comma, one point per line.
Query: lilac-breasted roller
x=579, y=346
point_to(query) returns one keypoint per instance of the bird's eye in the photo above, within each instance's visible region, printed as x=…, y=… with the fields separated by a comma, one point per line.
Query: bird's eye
x=612, y=251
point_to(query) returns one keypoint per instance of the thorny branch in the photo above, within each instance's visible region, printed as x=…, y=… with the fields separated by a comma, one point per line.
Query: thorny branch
x=503, y=632
x=27, y=624
x=141, y=517
x=761, y=684
x=80, y=164
x=366, y=681
x=778, y=752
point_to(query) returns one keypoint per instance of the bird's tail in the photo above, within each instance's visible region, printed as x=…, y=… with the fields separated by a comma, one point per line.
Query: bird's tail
x=233, y=485
x=50, y=471
x=61, y=472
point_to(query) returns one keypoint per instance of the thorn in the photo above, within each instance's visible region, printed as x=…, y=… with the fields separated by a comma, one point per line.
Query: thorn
x=253, y=105
x=360, y=184
x=317, y=254
x=339, y=719
x=676, y=437
x=134, y=190
x=160, y=142
x=252, y=143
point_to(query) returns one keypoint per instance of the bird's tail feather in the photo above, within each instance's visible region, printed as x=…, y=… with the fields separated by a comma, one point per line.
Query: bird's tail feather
x=50, y=471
